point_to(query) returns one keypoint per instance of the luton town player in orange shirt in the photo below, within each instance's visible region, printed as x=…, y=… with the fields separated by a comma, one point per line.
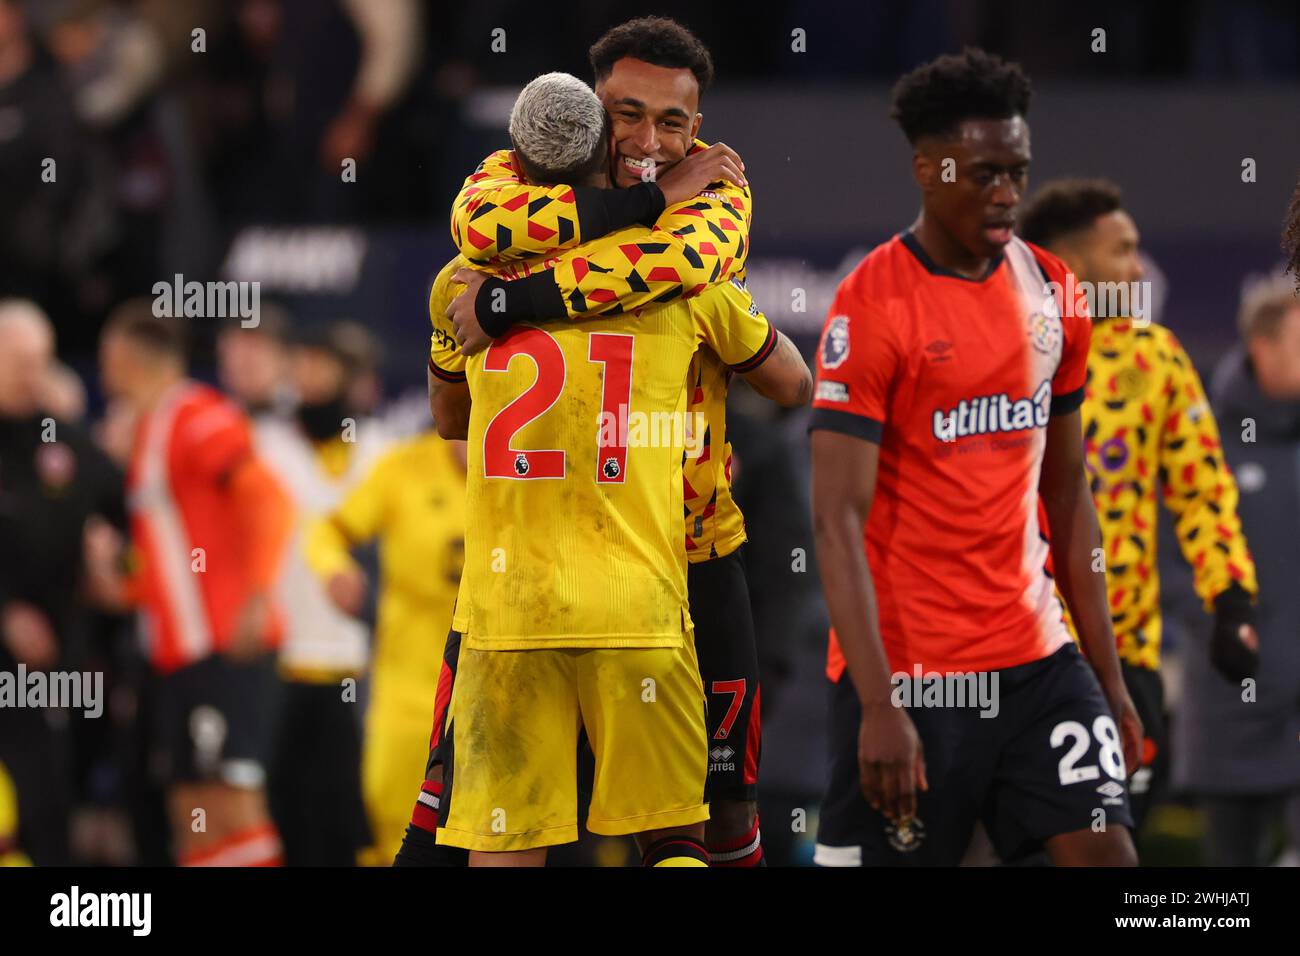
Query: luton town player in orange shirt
x=949, y=384
x=209, y=526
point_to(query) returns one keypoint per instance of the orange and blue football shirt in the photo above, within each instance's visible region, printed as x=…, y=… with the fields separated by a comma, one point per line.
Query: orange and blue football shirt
x=574, y=488
x=184, y=451
x=955, y=379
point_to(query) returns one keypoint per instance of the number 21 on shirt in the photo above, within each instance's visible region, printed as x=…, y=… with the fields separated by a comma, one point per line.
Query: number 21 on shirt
x=611, y=350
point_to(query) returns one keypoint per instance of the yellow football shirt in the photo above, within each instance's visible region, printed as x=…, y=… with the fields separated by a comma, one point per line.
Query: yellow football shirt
x=413, y=501
x=574, y=488
x=501, y=222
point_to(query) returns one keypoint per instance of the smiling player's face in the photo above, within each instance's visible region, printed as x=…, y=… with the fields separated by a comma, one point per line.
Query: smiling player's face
x=653, y=112
x=990, y=173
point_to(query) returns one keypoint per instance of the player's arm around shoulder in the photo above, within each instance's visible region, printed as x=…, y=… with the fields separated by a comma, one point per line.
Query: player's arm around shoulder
x=708, y=231
x=731, y=324
x=497, y=215
x=699, y=240
x=783, y=377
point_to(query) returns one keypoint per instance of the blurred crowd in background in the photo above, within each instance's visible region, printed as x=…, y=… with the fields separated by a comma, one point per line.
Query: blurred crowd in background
x=168, y=144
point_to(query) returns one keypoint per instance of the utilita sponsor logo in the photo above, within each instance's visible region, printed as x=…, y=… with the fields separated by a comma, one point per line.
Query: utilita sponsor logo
x=994, y=413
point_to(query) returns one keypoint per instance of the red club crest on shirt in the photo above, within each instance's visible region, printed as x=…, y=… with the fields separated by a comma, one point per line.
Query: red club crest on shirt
x=1045, y=332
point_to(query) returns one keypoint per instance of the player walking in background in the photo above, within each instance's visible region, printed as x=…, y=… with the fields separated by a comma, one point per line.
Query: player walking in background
x=209, y=525
x=413, y=501
x=949, y=386
x=687, y=211
x=1147, y=428
x=320, y=453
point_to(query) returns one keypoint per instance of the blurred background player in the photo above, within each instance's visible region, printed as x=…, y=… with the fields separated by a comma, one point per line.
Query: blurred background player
x=650, y=74
x=54, y=482
x=413, y=502
x=319, y=452
x=209, y=525
x=930, y=342
x=253, y=364
x=1235, y=740
x=1149, y=437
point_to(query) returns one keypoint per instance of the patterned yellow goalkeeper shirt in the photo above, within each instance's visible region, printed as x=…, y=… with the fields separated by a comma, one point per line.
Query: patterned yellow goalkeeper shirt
x=498, y=218
x=1149, y=434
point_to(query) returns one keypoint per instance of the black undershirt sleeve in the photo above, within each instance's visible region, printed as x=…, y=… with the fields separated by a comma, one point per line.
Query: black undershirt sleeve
x=601, y=211
x=537, y=298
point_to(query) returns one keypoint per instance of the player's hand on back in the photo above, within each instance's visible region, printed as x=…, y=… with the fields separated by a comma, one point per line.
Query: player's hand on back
x=890, y=761
x=469, y=333
x=694, y=173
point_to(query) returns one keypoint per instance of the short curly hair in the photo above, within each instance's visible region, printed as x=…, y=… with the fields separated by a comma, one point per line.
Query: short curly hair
x=660, y=41
x=1291, y=237
x=936, y=97
x=1064, y=206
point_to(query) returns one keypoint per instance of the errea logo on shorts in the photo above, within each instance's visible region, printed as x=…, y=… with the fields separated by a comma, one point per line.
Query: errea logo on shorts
x=994, y=413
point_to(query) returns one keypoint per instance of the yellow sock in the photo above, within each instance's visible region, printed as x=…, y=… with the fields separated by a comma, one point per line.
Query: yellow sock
x=681, y=861
x=9, y=855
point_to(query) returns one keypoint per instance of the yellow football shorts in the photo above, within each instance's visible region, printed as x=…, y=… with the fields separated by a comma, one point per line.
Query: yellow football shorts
x=513, y=729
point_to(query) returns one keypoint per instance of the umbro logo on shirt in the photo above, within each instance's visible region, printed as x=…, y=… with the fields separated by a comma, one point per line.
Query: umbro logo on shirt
x=939, y=350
